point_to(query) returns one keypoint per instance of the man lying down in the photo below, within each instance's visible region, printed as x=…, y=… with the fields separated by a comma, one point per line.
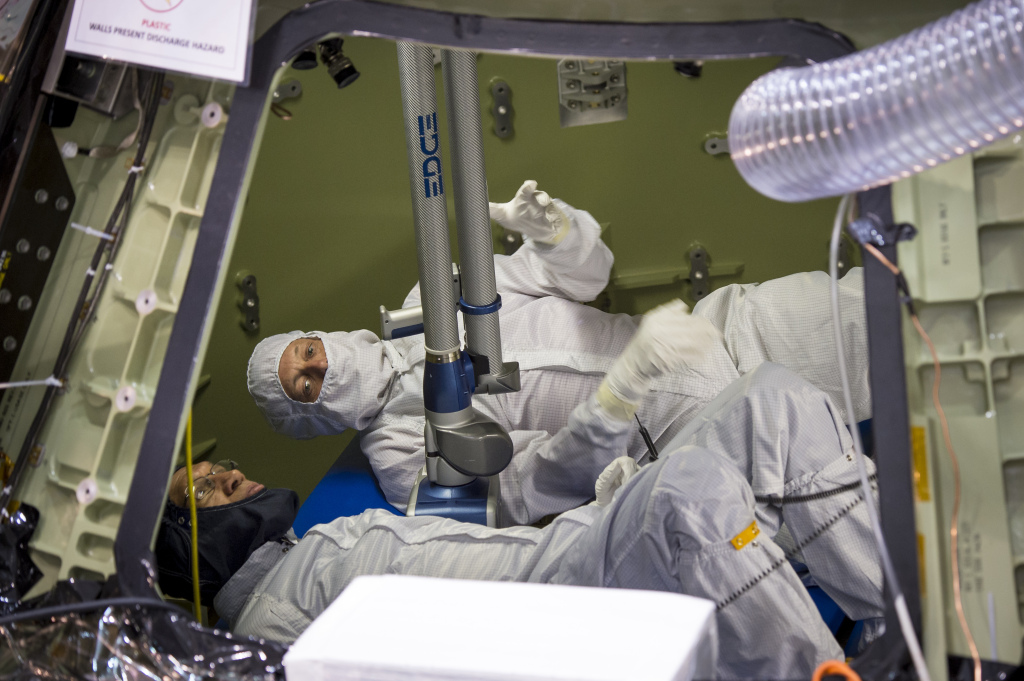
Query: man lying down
x=680, y=524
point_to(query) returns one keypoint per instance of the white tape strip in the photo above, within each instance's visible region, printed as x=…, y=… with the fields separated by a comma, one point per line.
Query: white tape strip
x=49, y=380
x=92, y=232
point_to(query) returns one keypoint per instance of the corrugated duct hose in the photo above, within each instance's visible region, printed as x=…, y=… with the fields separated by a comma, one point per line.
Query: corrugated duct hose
x=885, y=113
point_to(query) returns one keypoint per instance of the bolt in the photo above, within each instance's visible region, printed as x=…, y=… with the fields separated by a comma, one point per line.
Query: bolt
x=41, y=196
x=572, y=105
x=698, y=275
x=754, y=544
x=249, y=302
x=23, y=245
x=614, y=79
x=61, y=203
x=571, y=66
x=10, y=344
x=43, y=253
x=5, y=296
x=615, y=99
x=571, y=85
x=503, y=110
x=24, y=303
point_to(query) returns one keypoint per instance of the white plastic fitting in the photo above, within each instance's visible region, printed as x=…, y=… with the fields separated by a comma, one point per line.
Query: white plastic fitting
x=87, y=491
x=212, y=115
x=125, y=398
x=145, y=302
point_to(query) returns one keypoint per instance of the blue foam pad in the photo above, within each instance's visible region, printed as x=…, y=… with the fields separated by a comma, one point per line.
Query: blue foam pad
x=340, y=493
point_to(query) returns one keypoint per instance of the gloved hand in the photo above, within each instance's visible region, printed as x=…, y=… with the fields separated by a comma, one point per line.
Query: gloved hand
x=532, y=214
x=615, y=475
x=668, y=339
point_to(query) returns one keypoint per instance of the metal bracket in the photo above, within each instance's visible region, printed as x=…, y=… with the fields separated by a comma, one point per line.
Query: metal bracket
x=402, y=323
x=287, y=90
x=716, y=143
x=249, y=303
x=699, y=274
x=591, y=91
x=501, y=109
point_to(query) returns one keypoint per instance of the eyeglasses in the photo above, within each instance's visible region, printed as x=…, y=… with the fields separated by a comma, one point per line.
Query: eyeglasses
x=204, y=486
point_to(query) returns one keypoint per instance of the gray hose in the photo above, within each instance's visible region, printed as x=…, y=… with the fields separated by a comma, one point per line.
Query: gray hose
x=430, y=214
x=476, y=253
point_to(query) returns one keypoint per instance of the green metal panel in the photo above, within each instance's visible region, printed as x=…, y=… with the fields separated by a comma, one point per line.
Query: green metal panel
x=328, y=230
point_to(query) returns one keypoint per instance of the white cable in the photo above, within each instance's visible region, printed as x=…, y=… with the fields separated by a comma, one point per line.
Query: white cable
x=49, y=380
x=92, y=232
x=902, y=613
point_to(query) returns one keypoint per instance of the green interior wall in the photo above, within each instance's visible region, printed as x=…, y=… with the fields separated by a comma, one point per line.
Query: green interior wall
x=328, y=232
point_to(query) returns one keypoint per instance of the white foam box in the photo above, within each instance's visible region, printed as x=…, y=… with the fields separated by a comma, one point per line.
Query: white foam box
x=389, y=628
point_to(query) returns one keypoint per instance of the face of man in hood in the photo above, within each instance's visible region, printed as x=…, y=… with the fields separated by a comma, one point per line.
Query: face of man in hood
x=302, y=369
x=228, y=486
x=235, y=516
x=318, y=383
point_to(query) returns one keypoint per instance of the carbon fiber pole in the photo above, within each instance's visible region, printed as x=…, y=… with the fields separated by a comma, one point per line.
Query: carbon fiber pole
x=430, y=214
x=476, y=254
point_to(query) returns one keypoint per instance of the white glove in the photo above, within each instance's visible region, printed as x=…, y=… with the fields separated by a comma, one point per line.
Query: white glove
x=615, y=475
x=668, y=339
x=532, y=214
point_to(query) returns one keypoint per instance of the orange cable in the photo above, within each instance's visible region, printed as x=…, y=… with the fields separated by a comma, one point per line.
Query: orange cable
x=954, y=522
x=835, y=668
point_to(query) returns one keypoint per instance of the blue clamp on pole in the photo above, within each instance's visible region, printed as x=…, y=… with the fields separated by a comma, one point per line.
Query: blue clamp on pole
x=481, y=310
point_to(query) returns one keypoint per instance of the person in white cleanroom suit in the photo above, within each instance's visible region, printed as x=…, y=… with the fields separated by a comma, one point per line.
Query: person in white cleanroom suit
x=318, y=383
x=564, y=350
x=686, y=523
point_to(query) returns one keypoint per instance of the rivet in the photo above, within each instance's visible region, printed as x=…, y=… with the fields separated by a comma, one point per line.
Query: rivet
x=42, y=195
x=43, y=253
x=754, y=543
x=61, y=203
x=10, y=343
x=23, y=245
x=5, y=296
x=24, y=303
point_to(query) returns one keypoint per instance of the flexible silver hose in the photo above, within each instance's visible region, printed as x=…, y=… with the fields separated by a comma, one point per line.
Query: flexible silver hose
x=426, y=182
x=887, y=112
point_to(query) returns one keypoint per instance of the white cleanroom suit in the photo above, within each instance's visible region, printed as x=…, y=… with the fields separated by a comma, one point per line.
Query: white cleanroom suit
x=673, y=526
x=564, y=350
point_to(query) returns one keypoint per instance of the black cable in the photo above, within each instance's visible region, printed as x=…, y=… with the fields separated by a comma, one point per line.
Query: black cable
x=85, y=306
x=764, y=499
x=86, y=606
x=651, y=449
x=796, y=550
